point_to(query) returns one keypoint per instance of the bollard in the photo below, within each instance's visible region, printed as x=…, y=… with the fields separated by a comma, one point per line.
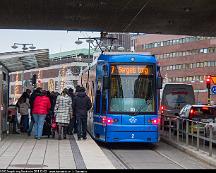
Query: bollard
x=191, y=130
x=162, y=118
x=182, y=133
x=187, y=123
x=177, y=128
x=210, y=141
x=198, y=139
x=169, y=128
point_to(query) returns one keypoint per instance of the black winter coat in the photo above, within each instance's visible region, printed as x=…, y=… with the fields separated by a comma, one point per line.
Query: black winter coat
x=81, y=104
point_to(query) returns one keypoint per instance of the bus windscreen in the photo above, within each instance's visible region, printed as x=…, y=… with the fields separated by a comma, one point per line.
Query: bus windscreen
x=175, y=96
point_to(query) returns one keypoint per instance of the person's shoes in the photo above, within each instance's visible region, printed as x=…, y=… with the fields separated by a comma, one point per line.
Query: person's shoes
x=29, y=133
x=16, y=132
x=35, y=137
x=59, y=138
x=79, y=139
x=38, y=138
x=64, y=136
x=84, y=138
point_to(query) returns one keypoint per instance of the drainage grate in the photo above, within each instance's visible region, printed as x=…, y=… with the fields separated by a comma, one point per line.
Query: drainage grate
x=80, y=164
x=29, y=165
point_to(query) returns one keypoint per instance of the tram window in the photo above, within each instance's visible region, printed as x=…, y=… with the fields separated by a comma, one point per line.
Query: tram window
x=104, y=101
x=98, y=95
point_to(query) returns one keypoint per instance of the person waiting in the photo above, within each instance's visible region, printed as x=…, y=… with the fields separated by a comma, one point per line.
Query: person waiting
x=23, y=106
x=81, y=105
x=63, y=110
x=41, y=107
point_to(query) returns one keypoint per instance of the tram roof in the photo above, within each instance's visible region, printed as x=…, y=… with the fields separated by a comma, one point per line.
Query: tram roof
x=127, y=53
x=139, y=57
x=25, y=60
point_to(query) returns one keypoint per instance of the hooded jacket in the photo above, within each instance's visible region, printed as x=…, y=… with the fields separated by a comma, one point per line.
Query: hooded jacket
x=81, y=104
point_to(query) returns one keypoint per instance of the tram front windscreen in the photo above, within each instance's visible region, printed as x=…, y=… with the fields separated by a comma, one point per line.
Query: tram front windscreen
x=132, y=89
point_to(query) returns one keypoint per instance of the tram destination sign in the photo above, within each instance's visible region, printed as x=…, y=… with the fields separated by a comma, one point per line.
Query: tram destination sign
x=131, y=69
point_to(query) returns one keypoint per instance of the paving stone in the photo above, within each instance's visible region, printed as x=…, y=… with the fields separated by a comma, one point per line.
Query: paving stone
x=22, y=152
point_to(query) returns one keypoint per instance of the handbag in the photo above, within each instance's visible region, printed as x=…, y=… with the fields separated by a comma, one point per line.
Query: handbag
x=54, y=125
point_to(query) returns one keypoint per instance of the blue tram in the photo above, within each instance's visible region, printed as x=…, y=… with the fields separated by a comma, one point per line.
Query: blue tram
x=124, y=90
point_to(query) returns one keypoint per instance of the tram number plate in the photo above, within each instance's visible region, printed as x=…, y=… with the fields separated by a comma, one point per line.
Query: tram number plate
x=132, y=135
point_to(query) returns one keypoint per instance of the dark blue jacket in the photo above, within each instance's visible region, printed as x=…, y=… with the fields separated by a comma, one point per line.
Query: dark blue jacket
x=81, y=104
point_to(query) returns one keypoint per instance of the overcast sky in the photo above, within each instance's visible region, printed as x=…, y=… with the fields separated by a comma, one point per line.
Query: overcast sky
x=55, y=41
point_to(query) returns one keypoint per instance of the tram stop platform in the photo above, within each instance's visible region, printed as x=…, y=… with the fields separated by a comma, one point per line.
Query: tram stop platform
x=19, y=151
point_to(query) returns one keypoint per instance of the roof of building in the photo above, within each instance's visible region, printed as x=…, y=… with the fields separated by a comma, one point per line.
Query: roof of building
x=72, y=53
x=25, y=60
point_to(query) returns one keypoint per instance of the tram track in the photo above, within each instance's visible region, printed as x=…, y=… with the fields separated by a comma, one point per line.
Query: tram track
x=170, y=159
x=144, y=156
x=124, y=161
x=129, y=166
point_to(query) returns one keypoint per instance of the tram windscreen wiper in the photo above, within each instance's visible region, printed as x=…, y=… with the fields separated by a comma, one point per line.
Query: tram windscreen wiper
x=139, y=110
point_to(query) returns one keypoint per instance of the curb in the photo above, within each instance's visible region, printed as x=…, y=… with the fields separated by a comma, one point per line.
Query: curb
x=201, y=155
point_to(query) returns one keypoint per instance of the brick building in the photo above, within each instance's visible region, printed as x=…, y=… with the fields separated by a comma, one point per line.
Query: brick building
x=63, y=71
x=184, y=59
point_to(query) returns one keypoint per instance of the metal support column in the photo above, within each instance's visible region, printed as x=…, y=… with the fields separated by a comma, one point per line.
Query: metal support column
x=209, y=95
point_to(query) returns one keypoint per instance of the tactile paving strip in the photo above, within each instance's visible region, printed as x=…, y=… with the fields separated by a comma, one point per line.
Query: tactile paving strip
x=80, y=164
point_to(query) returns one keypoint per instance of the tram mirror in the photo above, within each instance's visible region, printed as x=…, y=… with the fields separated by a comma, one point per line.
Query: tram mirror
x=159, y=82
x=106, y=82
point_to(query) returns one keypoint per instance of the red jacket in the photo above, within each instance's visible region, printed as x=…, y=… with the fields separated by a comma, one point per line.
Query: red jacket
x=41, y=105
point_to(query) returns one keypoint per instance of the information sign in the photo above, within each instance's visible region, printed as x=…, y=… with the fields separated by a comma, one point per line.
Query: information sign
x=213, y=89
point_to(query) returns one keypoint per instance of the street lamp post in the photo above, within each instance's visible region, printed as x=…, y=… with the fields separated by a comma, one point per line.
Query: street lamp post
x=89, y=41
x=98, y=40
x=25, y=46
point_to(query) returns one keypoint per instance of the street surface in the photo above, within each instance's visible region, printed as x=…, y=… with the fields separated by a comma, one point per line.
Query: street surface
x=139, y=156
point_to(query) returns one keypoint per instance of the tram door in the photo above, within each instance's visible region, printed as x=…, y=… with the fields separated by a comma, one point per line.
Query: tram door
x=4, y=93
x=99, y=128
x=100, y=105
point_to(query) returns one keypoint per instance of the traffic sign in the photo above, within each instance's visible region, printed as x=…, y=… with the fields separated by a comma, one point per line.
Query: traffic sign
x=213, y=79
x=213, y=89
